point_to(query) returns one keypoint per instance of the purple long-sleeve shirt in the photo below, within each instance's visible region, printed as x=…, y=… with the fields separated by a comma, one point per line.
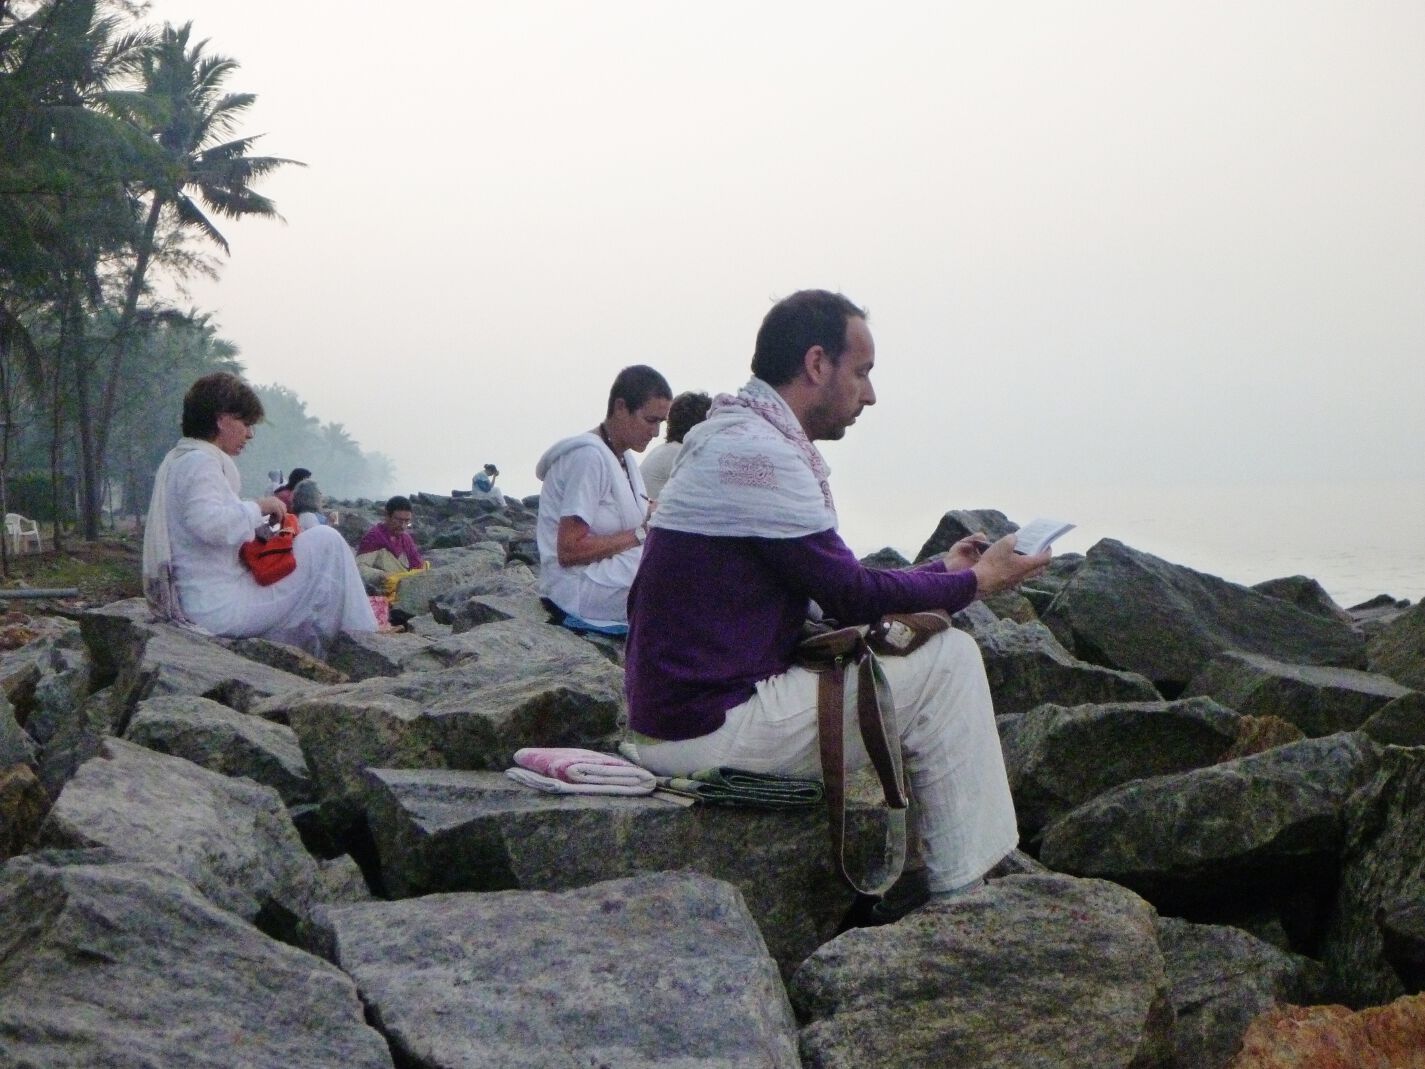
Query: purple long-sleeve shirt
x=378, y=537
x=710, y=617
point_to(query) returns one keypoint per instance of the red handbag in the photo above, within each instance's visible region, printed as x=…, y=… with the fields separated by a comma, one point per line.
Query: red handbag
x=271, y=559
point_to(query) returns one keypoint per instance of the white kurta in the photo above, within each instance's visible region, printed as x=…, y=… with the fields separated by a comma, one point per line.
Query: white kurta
x=207, y=522
x=657, y=466
x=582, y=478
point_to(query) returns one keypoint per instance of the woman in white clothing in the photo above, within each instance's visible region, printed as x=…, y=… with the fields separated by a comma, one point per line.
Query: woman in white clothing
x=686, y=412
x=196, y=522
x=307, y=506
x=593, y=508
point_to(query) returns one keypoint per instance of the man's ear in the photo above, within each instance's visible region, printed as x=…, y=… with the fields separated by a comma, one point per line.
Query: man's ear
x=620, y=407
x=817, y=364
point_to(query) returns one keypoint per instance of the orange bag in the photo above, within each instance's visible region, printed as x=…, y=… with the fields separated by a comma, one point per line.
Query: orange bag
x=272, y=559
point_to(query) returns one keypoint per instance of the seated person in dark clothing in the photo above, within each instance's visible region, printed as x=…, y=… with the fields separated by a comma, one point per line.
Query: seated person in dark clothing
x=744, y=546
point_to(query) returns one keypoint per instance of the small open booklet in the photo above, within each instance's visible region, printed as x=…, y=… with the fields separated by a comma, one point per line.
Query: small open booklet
x=1037, y=535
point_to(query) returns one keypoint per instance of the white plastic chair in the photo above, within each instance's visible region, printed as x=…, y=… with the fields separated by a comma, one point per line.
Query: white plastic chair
x=20, y=531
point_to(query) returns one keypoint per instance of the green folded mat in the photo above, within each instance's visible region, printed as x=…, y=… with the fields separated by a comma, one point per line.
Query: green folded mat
x=738, y=787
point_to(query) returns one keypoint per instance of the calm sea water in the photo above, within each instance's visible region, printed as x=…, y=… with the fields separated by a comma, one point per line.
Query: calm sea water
x=1356, y=540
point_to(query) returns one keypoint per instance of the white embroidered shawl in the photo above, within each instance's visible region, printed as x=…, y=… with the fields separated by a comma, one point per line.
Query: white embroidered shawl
x=159, y=585
x=748, y=470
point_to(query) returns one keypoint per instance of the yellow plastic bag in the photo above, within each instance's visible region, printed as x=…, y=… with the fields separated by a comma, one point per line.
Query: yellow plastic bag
x=393, y=579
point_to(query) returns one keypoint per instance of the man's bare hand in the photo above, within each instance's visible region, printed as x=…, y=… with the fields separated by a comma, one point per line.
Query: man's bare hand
x=1000, y=567
x=966, y=552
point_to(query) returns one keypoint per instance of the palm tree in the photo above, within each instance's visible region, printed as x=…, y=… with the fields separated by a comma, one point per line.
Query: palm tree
x=66, y=159
x=191, y=119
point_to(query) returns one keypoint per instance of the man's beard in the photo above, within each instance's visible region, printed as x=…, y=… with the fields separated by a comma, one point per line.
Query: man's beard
x=826, y=426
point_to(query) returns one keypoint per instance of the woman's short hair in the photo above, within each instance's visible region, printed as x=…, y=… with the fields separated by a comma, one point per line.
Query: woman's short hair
x=210, y=397
x=306, y=496
x=686, y=412
x=635, y=385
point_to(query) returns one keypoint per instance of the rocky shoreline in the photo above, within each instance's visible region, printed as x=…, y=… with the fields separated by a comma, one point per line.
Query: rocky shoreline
x=225, y=853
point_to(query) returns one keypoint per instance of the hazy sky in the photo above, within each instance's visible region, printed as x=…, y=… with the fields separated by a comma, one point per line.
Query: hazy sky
x=1170, y=243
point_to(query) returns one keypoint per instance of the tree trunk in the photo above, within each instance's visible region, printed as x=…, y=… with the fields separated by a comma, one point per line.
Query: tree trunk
x=95, y=417
x=72, y=352
x=88, y=464
x=55, y=442
x=104, y=419
x=5, y=382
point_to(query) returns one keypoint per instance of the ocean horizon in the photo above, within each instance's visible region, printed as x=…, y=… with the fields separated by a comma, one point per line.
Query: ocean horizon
x=1357, y=541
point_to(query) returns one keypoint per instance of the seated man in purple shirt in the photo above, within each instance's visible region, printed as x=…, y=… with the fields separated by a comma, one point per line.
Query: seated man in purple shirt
x=393, y=534
x=743, y=546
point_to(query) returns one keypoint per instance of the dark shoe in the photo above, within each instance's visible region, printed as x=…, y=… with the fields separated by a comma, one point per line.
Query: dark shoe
x=908, y=893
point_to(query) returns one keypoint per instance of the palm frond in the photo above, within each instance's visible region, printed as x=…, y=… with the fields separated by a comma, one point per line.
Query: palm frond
x=222, y=117
x=191, y=216
x=236, y=202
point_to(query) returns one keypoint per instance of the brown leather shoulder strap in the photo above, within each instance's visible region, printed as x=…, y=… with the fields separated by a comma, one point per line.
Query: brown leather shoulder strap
x=882, y=741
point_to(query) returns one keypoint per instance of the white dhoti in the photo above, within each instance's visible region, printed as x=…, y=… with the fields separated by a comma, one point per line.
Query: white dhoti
x=965, y=814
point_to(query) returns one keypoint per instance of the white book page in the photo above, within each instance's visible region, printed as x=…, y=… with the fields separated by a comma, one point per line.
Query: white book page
x=1037, y=535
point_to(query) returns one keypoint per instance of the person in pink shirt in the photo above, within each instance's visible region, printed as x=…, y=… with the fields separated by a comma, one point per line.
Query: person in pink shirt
x=284, y=492
x=394, y=534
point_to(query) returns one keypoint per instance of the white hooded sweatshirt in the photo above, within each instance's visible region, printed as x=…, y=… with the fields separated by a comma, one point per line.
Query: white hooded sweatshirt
x=583, y=478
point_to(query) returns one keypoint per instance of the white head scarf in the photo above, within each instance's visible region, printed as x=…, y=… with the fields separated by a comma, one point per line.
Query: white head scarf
x=748, y=470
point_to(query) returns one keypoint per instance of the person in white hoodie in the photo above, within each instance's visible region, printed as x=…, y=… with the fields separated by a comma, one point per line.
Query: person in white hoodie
x=593, y=507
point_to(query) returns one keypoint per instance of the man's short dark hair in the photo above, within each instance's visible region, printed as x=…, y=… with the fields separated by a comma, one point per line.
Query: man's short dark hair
x=797, y=323
x=399, y=503
x=635, y=385
x=210, y=397
x=686, y=412
x=298, y=474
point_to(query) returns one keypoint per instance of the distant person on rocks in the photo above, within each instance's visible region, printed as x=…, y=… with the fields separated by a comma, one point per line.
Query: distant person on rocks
x=593, y=507
x=483, y=488
x=744, y=546
x=196, y=522
x=393, y=534
x=284, y=494
x=685, y=413
x=307, y=505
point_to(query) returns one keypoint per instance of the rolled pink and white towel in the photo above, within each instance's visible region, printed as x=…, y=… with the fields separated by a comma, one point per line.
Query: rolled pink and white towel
x=570, y=770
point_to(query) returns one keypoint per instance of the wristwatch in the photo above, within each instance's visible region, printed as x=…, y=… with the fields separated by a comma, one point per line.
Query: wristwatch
x=640, y=532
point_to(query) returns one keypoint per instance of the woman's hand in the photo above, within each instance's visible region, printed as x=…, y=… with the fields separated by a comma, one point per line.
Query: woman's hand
x=1000, y=567
x=576, y=544
x=272, y=506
